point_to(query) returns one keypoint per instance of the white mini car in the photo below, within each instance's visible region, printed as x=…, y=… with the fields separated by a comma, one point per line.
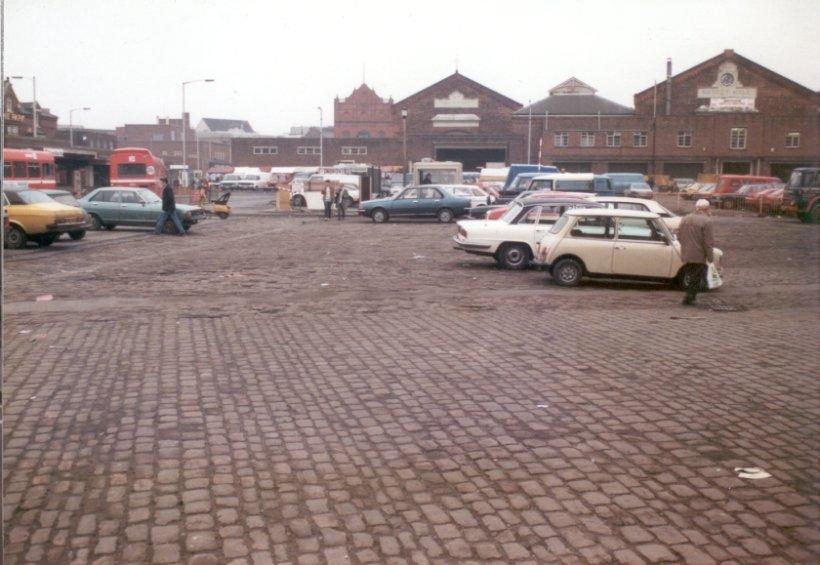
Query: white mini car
x=511, y=239
x=642, y=205
x=608, y=243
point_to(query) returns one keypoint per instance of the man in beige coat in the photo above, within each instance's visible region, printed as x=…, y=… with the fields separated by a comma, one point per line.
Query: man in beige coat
x=696, y=242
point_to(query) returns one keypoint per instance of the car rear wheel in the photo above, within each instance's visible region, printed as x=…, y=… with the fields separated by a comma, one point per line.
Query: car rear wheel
x=16, y=238
x=445, y=215
x=223, y=215
x=380, y=215
x=110, y=227
x=96, y=222
x=567, y=272
x=76, y=235
x=299, y=201
x=514, y=256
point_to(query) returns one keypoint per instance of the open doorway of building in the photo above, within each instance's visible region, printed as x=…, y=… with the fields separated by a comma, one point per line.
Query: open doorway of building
x=472, y=158
x=737, y=168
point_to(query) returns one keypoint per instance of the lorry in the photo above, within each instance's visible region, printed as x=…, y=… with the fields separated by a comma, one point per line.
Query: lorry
x=802, y=194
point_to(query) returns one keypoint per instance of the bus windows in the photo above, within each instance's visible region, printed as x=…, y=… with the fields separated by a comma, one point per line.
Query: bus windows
x=48, y=170
x=7, y=170
x=19, y=169
x=131, y=170
x=34, y=170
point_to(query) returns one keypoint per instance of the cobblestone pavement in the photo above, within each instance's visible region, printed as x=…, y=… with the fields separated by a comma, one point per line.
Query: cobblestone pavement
x=286, y=390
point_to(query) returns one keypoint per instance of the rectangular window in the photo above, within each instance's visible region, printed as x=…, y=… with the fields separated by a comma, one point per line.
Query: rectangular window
x=684, y=138
x=793, y=139
x=588, y=139
x=266, y=150
x=561, y=139
x=48, y=170
x=7, y=170
x=639, y=139
x=13, y=130
x=737, y=139
x=157, y=137
x=354, y=150
x=34, y=170
x=613, y=139
x=307, y=150
x=19, y=169
x=131, y=170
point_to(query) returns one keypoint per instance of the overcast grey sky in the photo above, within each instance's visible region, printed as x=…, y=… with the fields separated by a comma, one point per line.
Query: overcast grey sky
x=275, y=62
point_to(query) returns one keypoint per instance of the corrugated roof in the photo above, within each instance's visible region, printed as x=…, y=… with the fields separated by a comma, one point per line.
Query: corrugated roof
x=218, y=124
x=575, y=105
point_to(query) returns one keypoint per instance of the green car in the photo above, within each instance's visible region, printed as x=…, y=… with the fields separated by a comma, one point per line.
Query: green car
x=113, y=206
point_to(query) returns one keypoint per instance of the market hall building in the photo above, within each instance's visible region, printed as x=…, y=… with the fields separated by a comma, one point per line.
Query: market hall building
x=725, y=115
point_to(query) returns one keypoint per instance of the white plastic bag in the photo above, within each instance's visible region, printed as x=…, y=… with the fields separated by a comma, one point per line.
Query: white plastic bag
x=713, y=279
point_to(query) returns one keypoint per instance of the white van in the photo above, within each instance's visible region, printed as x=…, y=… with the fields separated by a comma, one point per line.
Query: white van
x=257, y=181
x=308, y=193
x=572, y=182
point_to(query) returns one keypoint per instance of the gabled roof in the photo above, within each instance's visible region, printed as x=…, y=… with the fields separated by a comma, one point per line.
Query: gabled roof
x=457, y=79
x=573, y=97
x=218, y=124
x=364, y=91
x=730, y=54
x=25, y=108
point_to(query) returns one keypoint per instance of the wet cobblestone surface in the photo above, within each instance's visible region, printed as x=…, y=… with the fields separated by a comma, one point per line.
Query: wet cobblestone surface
x=285, y=390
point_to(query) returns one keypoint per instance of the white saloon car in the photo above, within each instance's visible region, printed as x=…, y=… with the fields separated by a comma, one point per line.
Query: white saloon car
x=642, y=205
x=511, y=239
x=609, y=243
x=476, y=195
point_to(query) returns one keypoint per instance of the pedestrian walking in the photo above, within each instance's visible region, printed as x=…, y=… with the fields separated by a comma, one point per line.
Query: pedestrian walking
x=169, y=209
x=696, y=243
x=341, y=203
x=327, y=199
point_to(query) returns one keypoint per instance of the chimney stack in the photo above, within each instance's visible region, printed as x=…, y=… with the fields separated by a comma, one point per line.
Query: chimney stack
x=668, y=86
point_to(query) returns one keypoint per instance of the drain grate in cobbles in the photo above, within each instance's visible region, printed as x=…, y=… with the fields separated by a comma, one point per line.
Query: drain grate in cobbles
x=720, y=306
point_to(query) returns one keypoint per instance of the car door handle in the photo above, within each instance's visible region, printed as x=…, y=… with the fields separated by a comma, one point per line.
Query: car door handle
x=620, y=247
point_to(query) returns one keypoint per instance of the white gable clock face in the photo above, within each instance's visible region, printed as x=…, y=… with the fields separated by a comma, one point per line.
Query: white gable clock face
x=727, y=79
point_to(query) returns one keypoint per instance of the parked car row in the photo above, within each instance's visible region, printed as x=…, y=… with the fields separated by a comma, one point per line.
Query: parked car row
x=42, y=216
x=573, y=238
x=442, y=201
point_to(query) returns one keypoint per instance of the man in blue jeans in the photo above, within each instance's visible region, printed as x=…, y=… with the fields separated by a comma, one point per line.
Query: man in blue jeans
x=169, y=209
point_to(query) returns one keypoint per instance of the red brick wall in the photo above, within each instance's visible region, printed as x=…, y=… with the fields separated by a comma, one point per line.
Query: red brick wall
x=379, y=151
x=364, y=111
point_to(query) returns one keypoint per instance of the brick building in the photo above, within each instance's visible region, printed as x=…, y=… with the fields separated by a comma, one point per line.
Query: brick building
x=164, y=139
x=364, y=114
x=453, y=119
x=725, y=115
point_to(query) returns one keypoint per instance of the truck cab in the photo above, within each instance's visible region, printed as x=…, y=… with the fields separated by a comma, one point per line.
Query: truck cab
x=802, y=194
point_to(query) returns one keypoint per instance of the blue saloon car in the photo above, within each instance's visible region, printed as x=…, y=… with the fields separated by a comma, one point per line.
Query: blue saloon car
x=109, y=207
x=426, y=201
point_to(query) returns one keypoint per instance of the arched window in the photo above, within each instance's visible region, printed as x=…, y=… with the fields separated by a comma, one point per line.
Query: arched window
x=363, y=134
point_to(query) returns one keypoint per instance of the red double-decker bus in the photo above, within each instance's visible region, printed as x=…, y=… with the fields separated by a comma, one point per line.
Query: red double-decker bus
x=35, y=168
x=136, y=166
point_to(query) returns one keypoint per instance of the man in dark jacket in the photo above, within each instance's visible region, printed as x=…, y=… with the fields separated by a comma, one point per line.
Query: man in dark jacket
x=696, y=242
x=169, y=209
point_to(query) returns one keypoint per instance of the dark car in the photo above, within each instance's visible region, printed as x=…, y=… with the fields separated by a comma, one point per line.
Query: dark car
x=428, y=201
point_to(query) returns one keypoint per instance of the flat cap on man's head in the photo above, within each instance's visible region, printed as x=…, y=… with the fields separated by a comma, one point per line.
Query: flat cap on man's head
x=701, y=203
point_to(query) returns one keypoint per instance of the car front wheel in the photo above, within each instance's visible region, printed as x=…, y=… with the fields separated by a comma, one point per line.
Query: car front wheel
x=96, y=222
x=567, y=272
x=514, y=256
x=16, y=238
x=380, y=215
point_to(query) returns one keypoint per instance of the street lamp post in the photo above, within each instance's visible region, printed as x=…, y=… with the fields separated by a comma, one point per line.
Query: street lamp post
x=321, y=139
x=187, y=82
x=404, y=134
x=71, y=124
x=33, y=103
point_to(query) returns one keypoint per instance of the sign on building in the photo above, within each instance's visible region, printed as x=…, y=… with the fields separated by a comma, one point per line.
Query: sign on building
x=727, y=94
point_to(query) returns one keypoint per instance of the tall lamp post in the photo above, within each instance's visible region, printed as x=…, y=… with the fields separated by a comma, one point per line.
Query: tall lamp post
x=321, y=139
x=404, y=136
x=184, y=84
x=71, y=124
x=33, y=103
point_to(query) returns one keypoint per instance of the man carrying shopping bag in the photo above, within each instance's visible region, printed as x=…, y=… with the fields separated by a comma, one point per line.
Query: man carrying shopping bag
x=696, y=242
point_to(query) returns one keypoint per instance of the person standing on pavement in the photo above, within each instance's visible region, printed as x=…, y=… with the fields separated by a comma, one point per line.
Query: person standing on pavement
x=341, y=203
x=169, y=209
x=696, y=243
x=327, y=199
